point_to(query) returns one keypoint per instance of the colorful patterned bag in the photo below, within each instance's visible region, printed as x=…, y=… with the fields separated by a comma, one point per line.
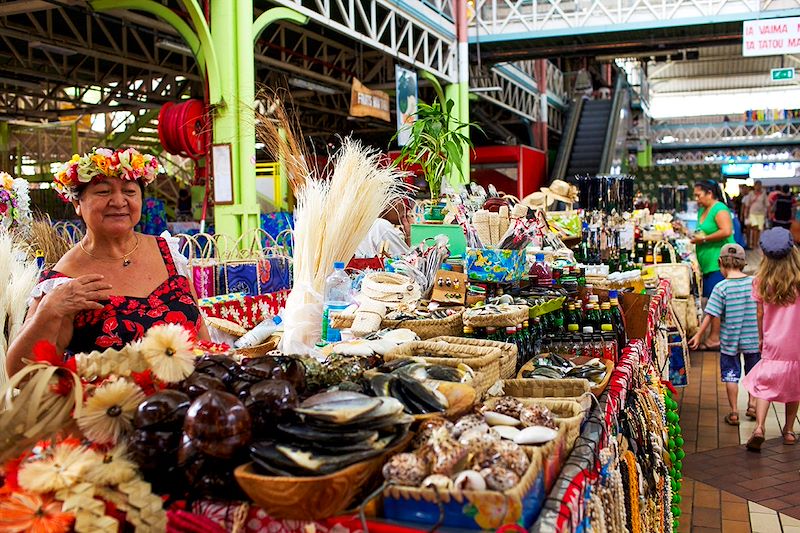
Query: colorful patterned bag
x=496, y=265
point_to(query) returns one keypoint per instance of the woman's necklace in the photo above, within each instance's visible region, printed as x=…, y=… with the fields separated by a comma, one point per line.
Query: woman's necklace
x=125, y=260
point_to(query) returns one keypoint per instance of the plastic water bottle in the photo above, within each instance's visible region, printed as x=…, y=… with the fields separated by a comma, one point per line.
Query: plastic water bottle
x=338, y=295
x=260, y=333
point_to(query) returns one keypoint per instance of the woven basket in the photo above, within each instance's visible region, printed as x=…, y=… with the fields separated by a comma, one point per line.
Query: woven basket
x=507, y=319
x=569, y=414
x=546, y=388
x=595, y=388
x=516, y=494
x=259, y=350
x=508, y=351
x=424, y=328
x=484, y=361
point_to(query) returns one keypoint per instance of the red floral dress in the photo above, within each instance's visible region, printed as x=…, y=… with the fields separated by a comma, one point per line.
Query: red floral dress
x=125, y=319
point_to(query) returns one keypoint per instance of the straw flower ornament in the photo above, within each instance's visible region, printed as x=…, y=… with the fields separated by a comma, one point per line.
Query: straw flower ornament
x=33, y=512
x=112, y=468
x=168, y=350
x=108, y=413
x=103, y=163
x=60, y=467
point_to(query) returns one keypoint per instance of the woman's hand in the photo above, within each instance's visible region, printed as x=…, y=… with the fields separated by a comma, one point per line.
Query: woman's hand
x=80, y=294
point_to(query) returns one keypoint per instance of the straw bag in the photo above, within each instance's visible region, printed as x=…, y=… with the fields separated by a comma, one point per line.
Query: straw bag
x=687, y=314
x=200, y=250
x=484, y=361
x=253, y=269
x=679, y=274
x=508, y=351
x=573, y=389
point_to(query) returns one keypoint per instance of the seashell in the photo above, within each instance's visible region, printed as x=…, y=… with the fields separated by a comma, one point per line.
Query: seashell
x=427, y=427
x=496, y=419
x=508, y=406
x=513, y=457
x=405, y=469
x=506, y=432
x=537, y=416
x=469, y=480
x=442, y=452
x=437, y=481
x=466, y=423
x=487, y=457
x=499, y=478
x=477, y=442
x=535, y=435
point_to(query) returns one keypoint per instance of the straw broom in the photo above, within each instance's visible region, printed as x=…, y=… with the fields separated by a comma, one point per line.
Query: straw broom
x=332, y=217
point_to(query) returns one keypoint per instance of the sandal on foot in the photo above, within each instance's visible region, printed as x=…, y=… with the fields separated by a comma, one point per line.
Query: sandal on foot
x=754, y=443
x=789, y=438
x=750, y=413
x=706, y=348
x=732, y=419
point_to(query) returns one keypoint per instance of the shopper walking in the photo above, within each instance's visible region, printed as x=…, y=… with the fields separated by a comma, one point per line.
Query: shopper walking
x=783, y=208
x=755, y=206
x=776, y=377
x=732, y=303
x=714, y=230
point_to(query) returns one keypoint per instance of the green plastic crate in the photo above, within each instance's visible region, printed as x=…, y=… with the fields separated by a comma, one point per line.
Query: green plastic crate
x=454, y=232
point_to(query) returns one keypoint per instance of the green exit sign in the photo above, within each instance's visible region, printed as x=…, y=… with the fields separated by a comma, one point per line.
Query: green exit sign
x=782, y=74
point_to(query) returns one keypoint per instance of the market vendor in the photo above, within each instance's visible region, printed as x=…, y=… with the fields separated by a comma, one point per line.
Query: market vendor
x=116, y=283
x=714, y=229
x=389, y=233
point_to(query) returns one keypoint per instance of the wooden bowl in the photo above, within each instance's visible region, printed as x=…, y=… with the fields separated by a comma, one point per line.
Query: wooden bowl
x=312, y=498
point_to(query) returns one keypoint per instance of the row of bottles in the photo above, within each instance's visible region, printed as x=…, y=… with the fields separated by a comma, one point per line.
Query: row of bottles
x=585, y=327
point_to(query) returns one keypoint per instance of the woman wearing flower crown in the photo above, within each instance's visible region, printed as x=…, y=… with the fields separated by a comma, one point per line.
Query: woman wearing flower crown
x=116, y=284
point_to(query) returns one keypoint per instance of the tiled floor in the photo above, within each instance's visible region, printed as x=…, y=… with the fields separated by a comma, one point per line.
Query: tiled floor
x=726, y=488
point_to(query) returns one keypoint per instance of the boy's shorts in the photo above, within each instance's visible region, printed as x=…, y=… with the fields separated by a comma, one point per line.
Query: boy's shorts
x=731, y=366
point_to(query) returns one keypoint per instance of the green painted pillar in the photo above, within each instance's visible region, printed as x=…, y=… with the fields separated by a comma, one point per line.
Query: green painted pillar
x=644, y=158
x=226, y=120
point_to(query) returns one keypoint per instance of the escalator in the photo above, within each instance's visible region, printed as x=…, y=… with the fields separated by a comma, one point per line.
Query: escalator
x=590, y=138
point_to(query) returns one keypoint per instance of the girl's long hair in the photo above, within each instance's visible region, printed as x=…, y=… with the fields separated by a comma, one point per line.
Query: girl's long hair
x=779, y=279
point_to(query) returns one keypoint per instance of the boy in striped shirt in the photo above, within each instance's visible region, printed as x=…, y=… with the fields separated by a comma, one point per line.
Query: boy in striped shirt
x=732, y=302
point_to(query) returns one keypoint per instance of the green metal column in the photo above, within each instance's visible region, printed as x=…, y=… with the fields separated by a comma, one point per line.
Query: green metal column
x=226, y=121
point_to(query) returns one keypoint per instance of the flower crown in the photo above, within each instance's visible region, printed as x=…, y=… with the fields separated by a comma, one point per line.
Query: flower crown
x=103, y=163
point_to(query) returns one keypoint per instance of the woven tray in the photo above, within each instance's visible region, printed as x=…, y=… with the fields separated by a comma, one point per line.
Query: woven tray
x=571, y=389
x=498, y=320
x=508, y=351
x=594, y=388
x=484, y=361
x=424, y=328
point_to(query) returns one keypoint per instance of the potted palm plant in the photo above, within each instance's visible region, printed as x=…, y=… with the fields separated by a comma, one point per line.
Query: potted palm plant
x=437, y=144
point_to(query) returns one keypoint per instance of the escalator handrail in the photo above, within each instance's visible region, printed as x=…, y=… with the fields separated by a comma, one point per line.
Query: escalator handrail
x=610, y=144
x=567, y=141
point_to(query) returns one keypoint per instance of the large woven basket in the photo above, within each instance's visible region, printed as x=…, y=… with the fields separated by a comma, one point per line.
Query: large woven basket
x=508, y=351
x=424, y=328
x=513, y=317
x=494, y=508
x=546, y=388
x=484, y=361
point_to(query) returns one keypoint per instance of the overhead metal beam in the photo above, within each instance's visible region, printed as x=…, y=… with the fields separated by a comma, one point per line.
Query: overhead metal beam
x=24, y=6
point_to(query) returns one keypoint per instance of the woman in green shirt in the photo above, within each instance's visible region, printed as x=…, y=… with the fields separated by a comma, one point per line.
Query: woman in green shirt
x=714, y=229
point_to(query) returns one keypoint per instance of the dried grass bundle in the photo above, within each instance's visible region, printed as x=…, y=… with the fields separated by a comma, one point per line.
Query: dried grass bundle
x=45, y=236
x=332, y=217
x=282, y=136
x=18, y=276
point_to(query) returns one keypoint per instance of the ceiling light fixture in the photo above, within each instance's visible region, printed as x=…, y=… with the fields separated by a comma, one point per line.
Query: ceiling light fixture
x=300, y=83
x=56, y=49
x=172, y=46
x=491, y=89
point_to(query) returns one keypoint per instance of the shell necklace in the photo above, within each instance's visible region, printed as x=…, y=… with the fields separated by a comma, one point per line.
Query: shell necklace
x=125, y=261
